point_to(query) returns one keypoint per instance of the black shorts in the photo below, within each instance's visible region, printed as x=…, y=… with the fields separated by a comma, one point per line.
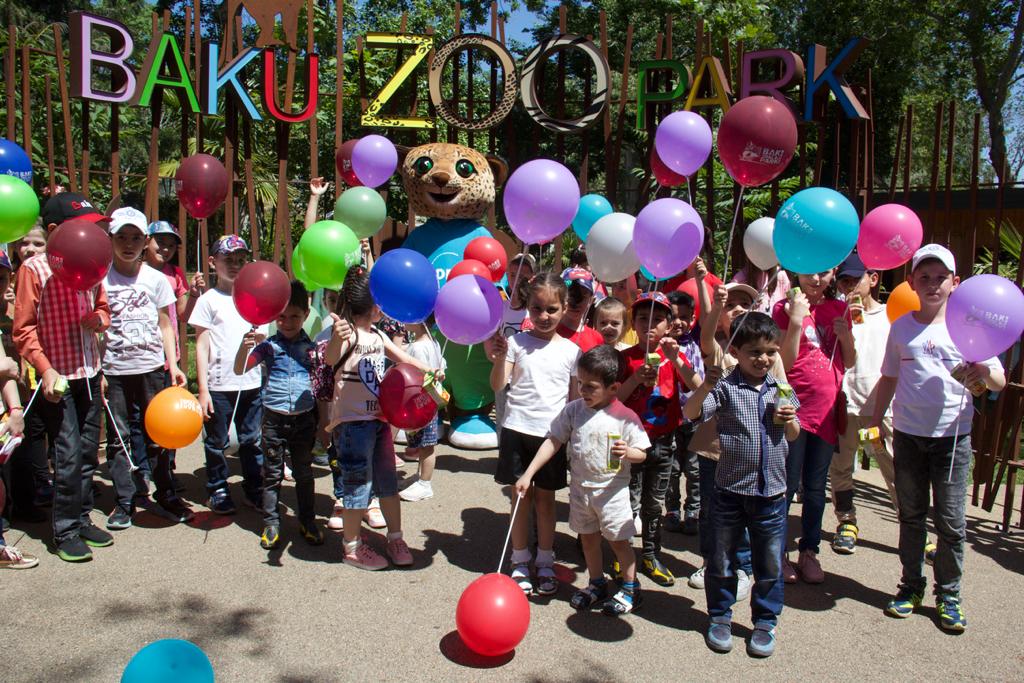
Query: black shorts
x=515, y=453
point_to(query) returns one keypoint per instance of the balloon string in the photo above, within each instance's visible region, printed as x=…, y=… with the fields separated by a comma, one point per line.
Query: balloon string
x=956, y=434
x=24, y=414
x=515, y=280
x=846, y=314
x=650, y=319
x=747, y=312
x=443, y=348
x=238, y=396
x=132, y=467
x=732, y=229
x=504, y=548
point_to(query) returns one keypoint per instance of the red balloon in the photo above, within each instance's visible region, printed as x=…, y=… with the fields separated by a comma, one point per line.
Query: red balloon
x=261, y=292
x=665, y=176
x=489, y=252
x=756, y=140
x=469, y=266
x=343, y=160
x=79, y=253
x=403, y=400
x=493, y=615
x=202, y=185
x=690, y=287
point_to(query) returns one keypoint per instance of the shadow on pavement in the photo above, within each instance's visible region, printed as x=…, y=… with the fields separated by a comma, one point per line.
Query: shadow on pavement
x=595, y=626
x=455, y=651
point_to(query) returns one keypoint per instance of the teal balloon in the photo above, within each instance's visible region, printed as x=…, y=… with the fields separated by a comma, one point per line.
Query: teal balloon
x=169, y=661
x=326, y=251
x=19, y=208
x=592, y=207
x=300, y=274
x=362, y=209
x=815, y=230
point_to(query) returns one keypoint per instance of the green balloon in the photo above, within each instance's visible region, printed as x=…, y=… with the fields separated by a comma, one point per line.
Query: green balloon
x=362, y=209
x=300, y=274
x=326, y=251
x=19, y=208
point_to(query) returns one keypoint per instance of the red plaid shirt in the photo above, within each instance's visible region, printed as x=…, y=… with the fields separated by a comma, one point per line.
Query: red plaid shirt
x=47, y=321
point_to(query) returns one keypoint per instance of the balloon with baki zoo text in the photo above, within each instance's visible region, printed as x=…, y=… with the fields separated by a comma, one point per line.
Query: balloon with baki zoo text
x=79, y=253
x=985, y=316
x=326, y=251
x=261, y=292
x=756, y=140
x=815, y=230
x=889, y=236
x=174, y=418
x=202, y=185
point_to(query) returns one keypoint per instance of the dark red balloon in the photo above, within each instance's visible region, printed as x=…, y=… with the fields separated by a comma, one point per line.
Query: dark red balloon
x=202, y=184
x=403, y=401
x=665, y=176
x=79, y=253
x=756, y=140
x=493, y=615
x=343, y=160
x=469, y=266
x=489, y=252
x=261, y=292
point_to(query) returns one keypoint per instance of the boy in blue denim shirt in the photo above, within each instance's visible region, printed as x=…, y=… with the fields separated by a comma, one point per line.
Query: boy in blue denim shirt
x=289, y=414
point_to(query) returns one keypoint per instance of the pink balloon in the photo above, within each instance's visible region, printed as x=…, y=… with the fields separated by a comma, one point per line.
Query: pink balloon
x=683, y=142
x=889, y=236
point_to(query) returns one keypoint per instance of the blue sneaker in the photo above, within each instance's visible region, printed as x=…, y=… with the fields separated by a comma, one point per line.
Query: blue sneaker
x=951, y=613
x=719, y=635
x=221, y=503
x=906, y=601
x=762, y=641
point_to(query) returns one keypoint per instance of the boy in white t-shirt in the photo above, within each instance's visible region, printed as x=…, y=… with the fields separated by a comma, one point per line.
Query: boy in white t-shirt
x=859, y=382
x=931, y=436
x=219, y=331
x=603, y=437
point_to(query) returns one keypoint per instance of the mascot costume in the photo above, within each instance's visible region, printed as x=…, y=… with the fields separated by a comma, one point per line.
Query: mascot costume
x=454, y=187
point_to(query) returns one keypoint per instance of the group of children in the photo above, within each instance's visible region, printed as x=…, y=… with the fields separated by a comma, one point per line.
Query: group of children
x=625, y=399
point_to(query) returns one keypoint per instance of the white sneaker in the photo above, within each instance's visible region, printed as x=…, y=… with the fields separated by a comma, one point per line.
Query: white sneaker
x=638, y=525
x=696, y=579
x=337, y=522
x=288, y=474
x=743, y=584
x=418, y=490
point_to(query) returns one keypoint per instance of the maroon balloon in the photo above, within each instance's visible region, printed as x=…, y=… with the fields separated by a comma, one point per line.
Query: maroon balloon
x=403, y=401
x=202, y=185
x=79, y=253
x=756, y=140
x=343, y=160
x=665, y=176
x=261, y=292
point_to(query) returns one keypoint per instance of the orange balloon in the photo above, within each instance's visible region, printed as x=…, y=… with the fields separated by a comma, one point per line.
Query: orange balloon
x=174, y=418
x=901, y=301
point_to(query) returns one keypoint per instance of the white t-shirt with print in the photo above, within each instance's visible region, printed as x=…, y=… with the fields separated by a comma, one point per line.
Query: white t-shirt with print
x=216, y=311
x=511, y=320
x=928, y=401
x=585, y=432
x=134, y=344
x=539, y=382
x=860, y=381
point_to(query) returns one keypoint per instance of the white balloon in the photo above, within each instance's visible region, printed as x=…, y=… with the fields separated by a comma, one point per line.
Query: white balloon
x=757, y=243
x=610, y=248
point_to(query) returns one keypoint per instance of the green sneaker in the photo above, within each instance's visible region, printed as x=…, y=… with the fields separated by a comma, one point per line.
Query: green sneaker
x=951, y=613
x=905, y=602
x=270, y=537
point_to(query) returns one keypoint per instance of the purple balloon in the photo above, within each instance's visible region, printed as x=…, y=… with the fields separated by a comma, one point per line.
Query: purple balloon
x=374, y=159
x=541, y=198
x=683, y=142
x=985, y=316
x=468, y=309
x=667, y=236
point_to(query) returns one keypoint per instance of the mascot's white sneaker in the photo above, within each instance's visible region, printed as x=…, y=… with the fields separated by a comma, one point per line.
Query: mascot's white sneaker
x=473, y=432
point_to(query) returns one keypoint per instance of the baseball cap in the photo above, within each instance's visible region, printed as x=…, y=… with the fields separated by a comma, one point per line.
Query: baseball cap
x=652, y=298
x=741, y=287
x=525, y=258
x=5, y=261
x=228, y=244
x=67, y=205
x=163, y=228
x=579, y=276
x=853, y=266
x=127, y=216
x=934, y=251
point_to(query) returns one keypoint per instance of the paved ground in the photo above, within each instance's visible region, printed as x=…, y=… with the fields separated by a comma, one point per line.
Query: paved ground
x=298, y=614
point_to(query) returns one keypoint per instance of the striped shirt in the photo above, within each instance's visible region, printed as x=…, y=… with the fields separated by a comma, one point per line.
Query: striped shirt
x=48, y=321
x=754, y=448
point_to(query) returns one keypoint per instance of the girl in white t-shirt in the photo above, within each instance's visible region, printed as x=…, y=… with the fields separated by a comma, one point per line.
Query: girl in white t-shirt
x=538, y=367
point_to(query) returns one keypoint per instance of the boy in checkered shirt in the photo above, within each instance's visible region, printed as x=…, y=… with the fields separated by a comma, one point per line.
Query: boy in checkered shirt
x=755, y=423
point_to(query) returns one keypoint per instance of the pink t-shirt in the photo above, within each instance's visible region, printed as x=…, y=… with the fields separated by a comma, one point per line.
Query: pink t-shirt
x=179, y=285
x=817, y=374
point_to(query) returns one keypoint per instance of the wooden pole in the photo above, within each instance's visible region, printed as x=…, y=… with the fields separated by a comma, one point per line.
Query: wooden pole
x=65, y=105
x=339, y=86
x=948, y=208
x=50, y=161
x=26, y=107
x=10, y=63
x=929, y=228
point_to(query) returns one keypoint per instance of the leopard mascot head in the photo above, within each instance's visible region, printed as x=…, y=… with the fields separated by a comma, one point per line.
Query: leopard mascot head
x=447, y=181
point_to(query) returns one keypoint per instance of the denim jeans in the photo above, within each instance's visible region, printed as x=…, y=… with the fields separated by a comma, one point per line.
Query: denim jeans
x=288, y=435
x=684, y=466
x=335, y=465
x=807, y=464
x=125, y=392
x=73, y=426
x=136, y=419
x=765, y=519
x=366, y=456
x=707, y=468
x=922, y=466
x=648, y=483
x=30, y=463
x=247, y=425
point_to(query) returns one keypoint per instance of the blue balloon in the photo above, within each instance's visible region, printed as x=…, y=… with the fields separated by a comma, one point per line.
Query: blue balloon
x=592, y=207
x=815, y=230
x=14, y=161
x=169, y=661
x=404, y=285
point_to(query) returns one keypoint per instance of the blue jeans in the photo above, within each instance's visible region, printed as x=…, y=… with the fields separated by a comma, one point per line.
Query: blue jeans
x=247, y=425
x=807, y=464
x=707, y=468
x=922, y=466
x=765, y=519
x=366, y=456
x=648, y=483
